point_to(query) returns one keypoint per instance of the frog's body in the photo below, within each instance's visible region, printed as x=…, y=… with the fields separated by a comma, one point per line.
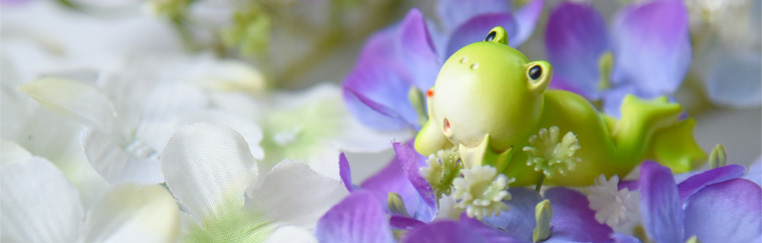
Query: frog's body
x=489, y=100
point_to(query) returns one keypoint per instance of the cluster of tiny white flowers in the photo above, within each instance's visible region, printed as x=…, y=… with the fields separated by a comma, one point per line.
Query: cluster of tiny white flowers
x=550, y=155
x=440, y=167
x=481, y=191
x=612, y=206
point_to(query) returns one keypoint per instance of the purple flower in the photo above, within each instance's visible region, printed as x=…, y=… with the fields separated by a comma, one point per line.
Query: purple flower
x=714, y=206
x=648, y=42
x=409, y=55
x=573, y=220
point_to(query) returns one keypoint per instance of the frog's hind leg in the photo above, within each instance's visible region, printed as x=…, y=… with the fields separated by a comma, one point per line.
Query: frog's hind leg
x=647, y=126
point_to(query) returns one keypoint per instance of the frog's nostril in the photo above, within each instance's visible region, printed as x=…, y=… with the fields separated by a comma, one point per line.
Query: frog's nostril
x=463, y=60
x=474, y=66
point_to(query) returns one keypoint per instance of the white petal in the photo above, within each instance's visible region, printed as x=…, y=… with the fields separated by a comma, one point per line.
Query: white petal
x=229, y=75
x=291, y=234
x=294, y=194
x=205, y=164
x=12, y=153
x=247, y=128
x=132, y=213
x=115, y=165
x=76, y=98
x=39, y=204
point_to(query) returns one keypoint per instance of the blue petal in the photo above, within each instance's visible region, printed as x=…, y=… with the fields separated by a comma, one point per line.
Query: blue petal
x=613, y=99
x=490, y=234
x=733, y=80
x=725, y=212
x=519, y=220
x=393, y=179
x=410, y=160
x=416, y=49
x=575, y=40
x=709, y=177
x=477, y=28
x=453, y=13
x=526, y=19
x=622, y=238
x=573, y=220
x=357, y=218
x=660, y=204
x=444, y=232
x=376, y=90
x=404, y=222
x=652, y=48
x=755, y=172
x=345, y=173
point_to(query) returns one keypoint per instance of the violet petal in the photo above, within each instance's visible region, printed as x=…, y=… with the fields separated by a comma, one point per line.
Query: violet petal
x=477, y=28
x=573, y=220
x=725, y=212
x=357, y=218
x=660, y=205
x=709, y=177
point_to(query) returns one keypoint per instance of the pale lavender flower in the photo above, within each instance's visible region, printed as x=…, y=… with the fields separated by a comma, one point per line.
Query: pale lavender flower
x=646, y=52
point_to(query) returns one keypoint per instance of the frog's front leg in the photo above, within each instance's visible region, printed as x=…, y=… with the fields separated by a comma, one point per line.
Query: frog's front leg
x=483, y=154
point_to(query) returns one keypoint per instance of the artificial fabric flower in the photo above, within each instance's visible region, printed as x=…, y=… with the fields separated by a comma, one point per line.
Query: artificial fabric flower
x=713, y=206
x=408, y=55
x=212, y=174
x=647, y=51
x=40, y=205
x=727, y=57
x=131, y=112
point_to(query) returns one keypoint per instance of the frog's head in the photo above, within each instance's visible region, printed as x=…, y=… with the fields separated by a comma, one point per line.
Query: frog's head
x=490, y=88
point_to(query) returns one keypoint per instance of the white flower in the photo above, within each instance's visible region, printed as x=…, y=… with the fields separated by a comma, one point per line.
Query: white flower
x=40, y=205
x=211, y=172
x=481, y=191
x=612, y=206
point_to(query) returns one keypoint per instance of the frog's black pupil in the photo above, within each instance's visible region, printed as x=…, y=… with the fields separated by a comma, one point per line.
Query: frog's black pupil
x=535, y=72
x=491, y=36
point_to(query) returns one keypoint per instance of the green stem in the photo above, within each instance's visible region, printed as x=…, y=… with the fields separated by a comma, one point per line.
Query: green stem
x=539, y=183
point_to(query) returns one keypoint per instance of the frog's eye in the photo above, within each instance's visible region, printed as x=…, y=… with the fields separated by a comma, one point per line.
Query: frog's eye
x=535, y=72
x=497, y=35
x=491, y=36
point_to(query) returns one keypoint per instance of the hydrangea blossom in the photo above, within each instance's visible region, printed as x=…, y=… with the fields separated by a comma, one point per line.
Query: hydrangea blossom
x=646, y=52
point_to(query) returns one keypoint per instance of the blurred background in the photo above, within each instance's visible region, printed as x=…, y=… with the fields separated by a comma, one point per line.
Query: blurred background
x=296, y=44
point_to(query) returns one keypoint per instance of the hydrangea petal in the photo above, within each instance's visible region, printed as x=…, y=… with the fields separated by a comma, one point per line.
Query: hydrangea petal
x=652, y=47
x=357, y=218
x=294, y=194
x=39, y=204
x=477, y=28
x=519, y=220
x=417, y=51
x=124, y=213
x=575, y=39
x=453, y=13
x=573, y=220
x=696, y=182
x=410, y=160
x=403, y=222
x=444, y=232
x=291, y=234
x=725, y=212
x=755, y=172
x=345, y=173
x=376, y=90
x=81, y=100
x=733, y=80
x=393, y=179
x=114, y=164
x=660, y=205
x=526, y=19
x=207, y=165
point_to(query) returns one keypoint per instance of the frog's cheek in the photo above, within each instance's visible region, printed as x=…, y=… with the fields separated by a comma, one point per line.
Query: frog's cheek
x=538, y=74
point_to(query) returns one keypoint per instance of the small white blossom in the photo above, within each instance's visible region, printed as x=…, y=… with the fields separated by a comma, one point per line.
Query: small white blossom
x=613, y=207
x=481, y=191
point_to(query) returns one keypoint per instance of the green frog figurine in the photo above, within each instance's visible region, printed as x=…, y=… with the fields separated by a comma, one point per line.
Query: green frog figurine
x=492, y=105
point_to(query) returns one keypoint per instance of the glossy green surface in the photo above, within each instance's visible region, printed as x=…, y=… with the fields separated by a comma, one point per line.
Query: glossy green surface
x=486, y=103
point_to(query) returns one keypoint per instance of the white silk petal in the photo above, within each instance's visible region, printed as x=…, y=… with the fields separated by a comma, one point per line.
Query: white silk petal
x=132, y=213
x=293, y=194
x=39, y=204
x=206, y=165
x=75, y=98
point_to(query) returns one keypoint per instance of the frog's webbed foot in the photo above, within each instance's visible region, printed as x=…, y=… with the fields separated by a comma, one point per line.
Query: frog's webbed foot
x=550, y=155
x=484, y=154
